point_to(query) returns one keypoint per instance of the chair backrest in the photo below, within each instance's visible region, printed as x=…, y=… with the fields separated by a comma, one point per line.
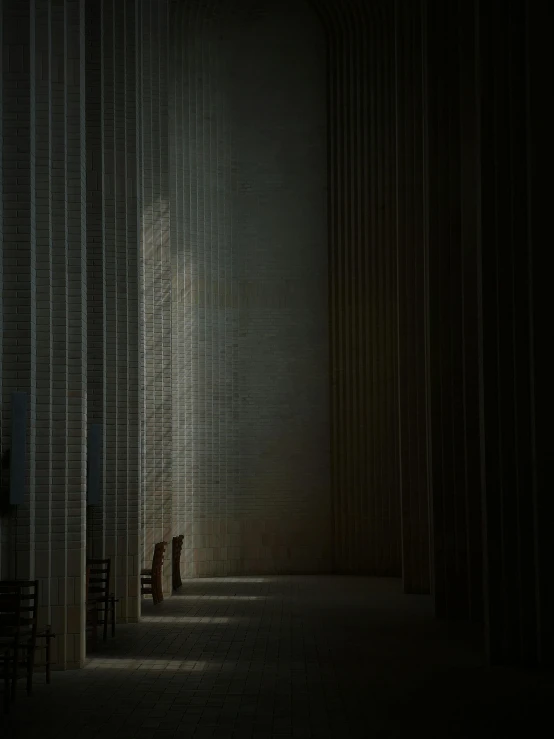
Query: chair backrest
x=29, y=603
x=98, y=580
x=178, y=545
x=158, y=557
x=10, y=611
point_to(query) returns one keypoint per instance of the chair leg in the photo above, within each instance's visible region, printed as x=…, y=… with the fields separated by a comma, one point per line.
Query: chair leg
x=113, y=615
x=30, y=666
x=7, y=691
x=95, y=628
x=14, y=673
x=93, y=623
x=7, y=686
x=106, y=607
x=48, y=639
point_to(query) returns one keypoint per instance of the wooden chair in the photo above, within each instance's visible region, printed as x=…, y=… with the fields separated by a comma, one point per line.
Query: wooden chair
x=177, y=546
x=98, y=593
x=91, y=609
x=151, y=580
x=29, y=635
x=10, y=632
x=5, y=654
x=47, y=634
x=28, y=626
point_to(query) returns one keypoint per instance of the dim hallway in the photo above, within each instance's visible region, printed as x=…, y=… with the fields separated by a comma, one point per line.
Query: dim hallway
x=275, y=657
x=275, y=302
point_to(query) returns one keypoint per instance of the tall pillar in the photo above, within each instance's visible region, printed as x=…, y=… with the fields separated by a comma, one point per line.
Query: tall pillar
x=76, y=326
x=516, y=117
x=412, y=245
x=3, y=457
x=453, y=323
x=44, y=303
x=363, y=288
x=45, y=296
x=113, y=289
x=539, y=24
x=96, y=270
x=69, y=403
x=19, y=360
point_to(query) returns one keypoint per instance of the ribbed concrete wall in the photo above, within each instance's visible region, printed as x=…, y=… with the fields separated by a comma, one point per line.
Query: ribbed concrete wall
x=4, y=530
x=19, y=254
x=45, y=460
x=412, y=292
x=19, y=251
x=454, y=191
x=44, y=348
x=515, y=46
x=490, y=81
x=539, y=28
x=70, y=293
x=363, y=287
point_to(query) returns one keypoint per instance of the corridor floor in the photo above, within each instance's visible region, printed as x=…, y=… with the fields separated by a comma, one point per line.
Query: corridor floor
x=304, y=657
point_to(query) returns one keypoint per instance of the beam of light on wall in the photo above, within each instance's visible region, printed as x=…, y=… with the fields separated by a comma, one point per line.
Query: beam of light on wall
x=156, y=304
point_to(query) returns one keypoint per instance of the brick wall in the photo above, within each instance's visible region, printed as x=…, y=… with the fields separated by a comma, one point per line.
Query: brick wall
x=19, y=344
x=249, y=289
x=229, y=390
x=44, y=302
x=113, y=318
x=69, y=290
x=233, y=377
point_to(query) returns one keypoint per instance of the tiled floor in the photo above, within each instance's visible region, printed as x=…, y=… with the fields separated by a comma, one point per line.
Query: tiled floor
x=286, y=657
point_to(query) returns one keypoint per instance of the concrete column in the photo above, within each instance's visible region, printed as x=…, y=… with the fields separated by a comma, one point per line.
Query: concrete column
x=365, y=463
x=411, y=244
x=453, y=162
x=76, y=326
x=96, y=273
x=113, y=289
x=45, y=296
x=19, y=363
x=157, y=495
x=3, y=452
